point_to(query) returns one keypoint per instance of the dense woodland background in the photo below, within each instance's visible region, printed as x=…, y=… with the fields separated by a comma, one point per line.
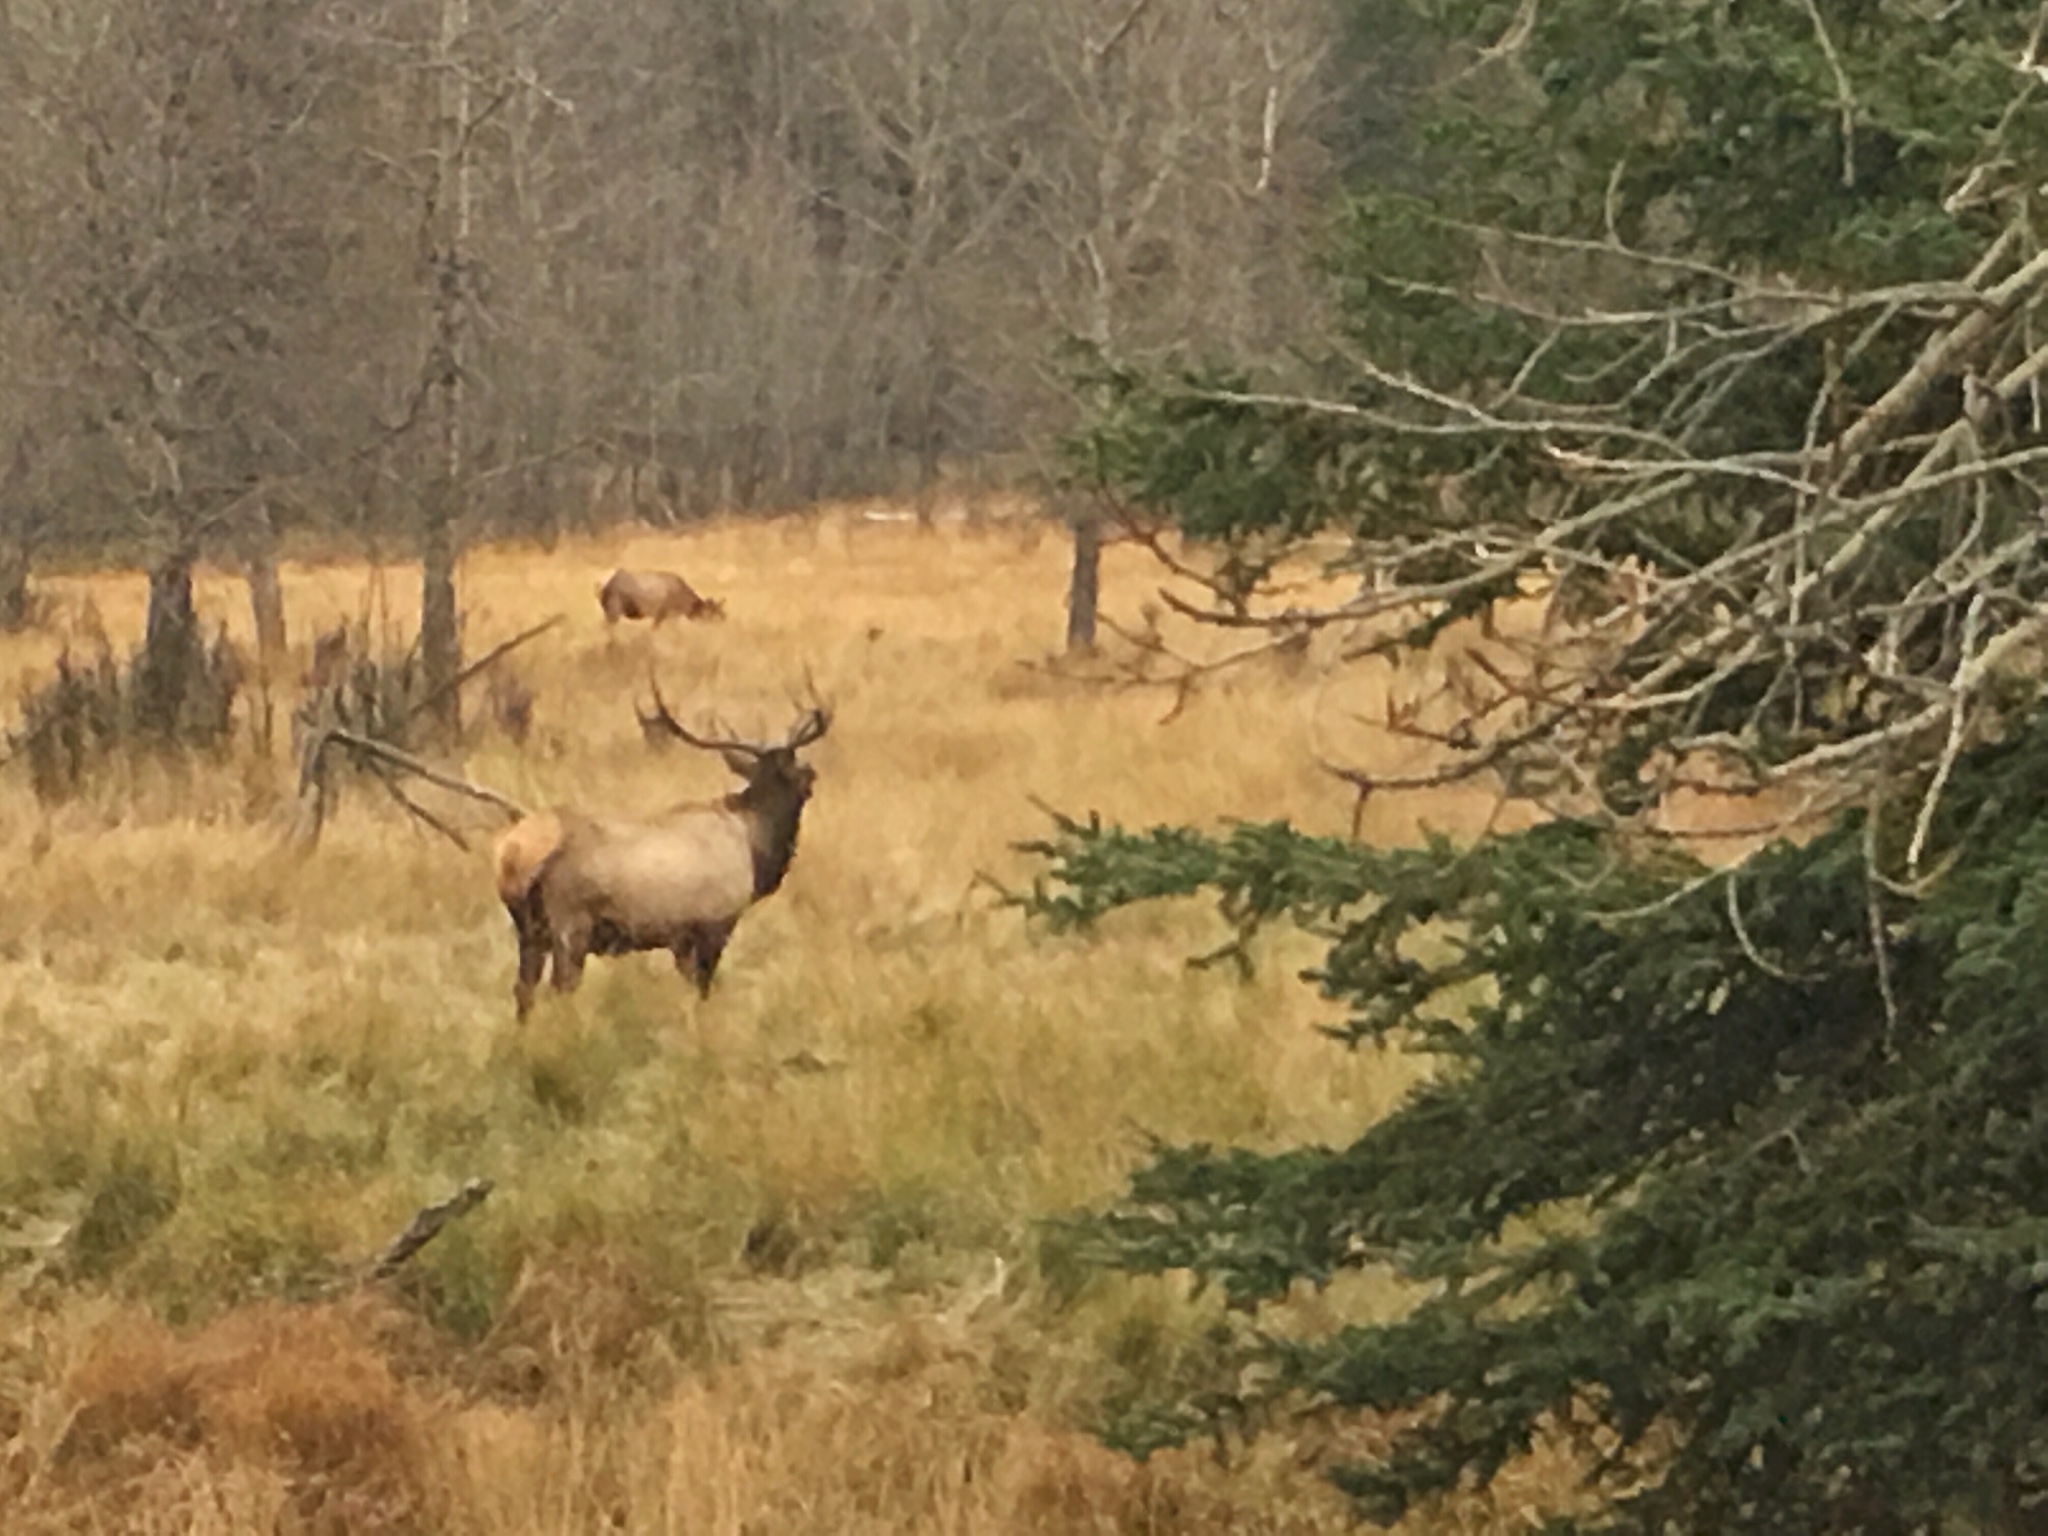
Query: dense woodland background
x=267, y=265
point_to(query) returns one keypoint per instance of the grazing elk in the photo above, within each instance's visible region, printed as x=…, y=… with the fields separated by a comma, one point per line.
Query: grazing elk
x=656, y=595
x=580, y=885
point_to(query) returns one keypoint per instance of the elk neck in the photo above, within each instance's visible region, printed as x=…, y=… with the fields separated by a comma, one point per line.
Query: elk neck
x=772, y=815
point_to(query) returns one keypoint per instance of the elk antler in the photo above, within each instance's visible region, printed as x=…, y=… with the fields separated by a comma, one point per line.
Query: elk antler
x=815, y=723
x=663, y=722
x=816, y=720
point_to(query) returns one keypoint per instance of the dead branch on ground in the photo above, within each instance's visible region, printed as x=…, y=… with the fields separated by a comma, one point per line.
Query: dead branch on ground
x=427, y=1225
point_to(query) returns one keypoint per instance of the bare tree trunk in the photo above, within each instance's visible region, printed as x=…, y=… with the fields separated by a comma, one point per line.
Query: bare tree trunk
x=1084, y=585
x=541, y=519
x=266, y=595
x=266, y=608
x=170, y=644
x=18, y=525
x=440, y=632
x=14, y=562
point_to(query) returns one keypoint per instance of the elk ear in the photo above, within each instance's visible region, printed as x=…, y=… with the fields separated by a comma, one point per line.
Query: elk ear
x=740, y=763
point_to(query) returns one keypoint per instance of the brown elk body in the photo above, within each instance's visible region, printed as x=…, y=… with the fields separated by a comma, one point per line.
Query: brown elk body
x=578, y=885
x=656, y=595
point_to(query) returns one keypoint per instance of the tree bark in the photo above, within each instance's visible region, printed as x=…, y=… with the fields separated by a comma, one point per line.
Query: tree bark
x=266, y=609
x=266, y=595
x=170, y=645
x=1084, y=585
x=17, y=539
x=440, y=630
x=14, y=561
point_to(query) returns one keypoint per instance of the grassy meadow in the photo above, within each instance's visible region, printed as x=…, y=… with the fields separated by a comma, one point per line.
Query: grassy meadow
x=769, y=1263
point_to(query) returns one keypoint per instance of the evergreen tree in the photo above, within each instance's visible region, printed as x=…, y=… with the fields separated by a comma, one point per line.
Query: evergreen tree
x=1721, y=320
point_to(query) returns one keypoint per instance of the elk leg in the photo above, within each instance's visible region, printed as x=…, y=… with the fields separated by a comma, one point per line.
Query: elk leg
x=703, y=947
x=532, y=929
x=533, y=959
x=571, y=948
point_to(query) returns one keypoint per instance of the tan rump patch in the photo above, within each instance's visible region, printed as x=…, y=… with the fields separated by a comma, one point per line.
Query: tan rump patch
x=522, y=850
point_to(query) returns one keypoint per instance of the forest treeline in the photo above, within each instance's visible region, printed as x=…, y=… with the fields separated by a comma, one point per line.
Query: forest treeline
x=501, y=265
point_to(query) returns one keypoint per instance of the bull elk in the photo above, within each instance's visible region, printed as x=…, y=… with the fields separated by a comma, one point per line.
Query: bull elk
x=656, y=595
x=578, y=885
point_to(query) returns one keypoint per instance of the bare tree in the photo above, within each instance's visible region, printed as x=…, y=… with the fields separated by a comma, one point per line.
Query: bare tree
x=1084, y=581
x=30, y=399
x=1176, y=188
x=938, y=188
x=448, y=220
x=186, y=252
x=23, y=518
x=256, y=544
x=439, y=89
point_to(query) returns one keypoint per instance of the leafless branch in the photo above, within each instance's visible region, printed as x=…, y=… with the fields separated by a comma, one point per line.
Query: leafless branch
x=1775, y=972
x=1100, y=51
x=1923, y=823
x=1880, y=945
x=483, y=664
x=385, y=752
x=1842, y=628
x=1844, y=96
x=1518, y=32
x=388, y=778
x=427, y=1225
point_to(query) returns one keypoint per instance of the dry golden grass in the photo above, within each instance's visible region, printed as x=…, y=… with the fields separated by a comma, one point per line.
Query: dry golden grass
x=761, y=1264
